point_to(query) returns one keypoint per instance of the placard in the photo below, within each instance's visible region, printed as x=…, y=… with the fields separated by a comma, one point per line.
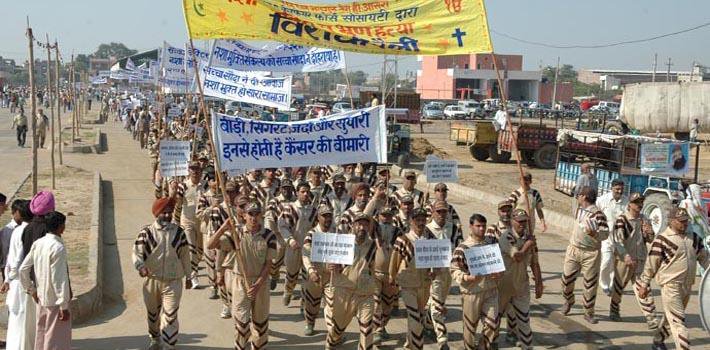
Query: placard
x=333, y=248
x=174, y=157
x=484, y=260
x=441, y=170
x=671, y=159
x=432, y=253
x=236, y=54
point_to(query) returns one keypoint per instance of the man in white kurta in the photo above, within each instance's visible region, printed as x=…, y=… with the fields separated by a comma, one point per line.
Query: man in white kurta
x=21, y=322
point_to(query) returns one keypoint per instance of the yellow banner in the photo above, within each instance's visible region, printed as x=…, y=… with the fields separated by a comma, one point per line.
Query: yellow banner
x=394, y=27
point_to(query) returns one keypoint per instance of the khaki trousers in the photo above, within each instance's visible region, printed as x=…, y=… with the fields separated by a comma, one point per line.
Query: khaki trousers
x=385, y=297
x=162, y=301
x=251, y=316
x=225, y=291
x=294, y=264
x=517, y=309
x=585, y=262
x=210, y=256
x=675, y=299
x=415, y=300
x=342, y=304
x=622, y=276
x=480, y=307
x=440, y=287
x=312, y=294
x=52, y=333
x=194, y=241
x=278, y=261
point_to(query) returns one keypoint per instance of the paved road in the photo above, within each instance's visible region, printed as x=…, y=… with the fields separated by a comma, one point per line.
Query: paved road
x=122, y=325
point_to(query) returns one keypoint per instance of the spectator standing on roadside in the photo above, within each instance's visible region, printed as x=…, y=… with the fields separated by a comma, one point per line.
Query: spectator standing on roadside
x=20, y=124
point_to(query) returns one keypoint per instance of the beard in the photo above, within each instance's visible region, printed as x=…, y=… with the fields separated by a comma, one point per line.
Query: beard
x=360, y=203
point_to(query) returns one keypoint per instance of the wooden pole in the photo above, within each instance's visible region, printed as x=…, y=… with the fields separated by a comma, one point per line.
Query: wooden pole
x=73, y=100
x=51, y=110
x=218, y=168
x=347, y=81
x=59, y=107
x=33, y=99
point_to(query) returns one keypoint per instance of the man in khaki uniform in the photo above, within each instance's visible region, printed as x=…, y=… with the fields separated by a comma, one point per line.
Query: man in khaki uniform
x=352, y=288
x=404, y=214
x=186, y=195
x=479, y=293
x=441, y=193
x=672, y=261
x=318, y=277
x=386, y=294
x=268, y=187
x=161, y=256
x=209, y=199
x=363, y=203
x=319, y=189
x=339, y=199
x=273, y=210
x=441, y=229
x=534, y=199
x=414, y=283
x=250, y=304
x=517, y=246
x=295, y=221
x=226, y=254
x=583, y=253
x=628, y=240
x=410, y=180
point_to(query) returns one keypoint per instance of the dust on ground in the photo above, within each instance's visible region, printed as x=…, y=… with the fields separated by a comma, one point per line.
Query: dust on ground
x=73, y=196
x=422, y=148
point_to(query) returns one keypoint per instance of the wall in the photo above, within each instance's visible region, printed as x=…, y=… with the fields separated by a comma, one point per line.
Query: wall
x=509, y=62
x=565, y=92
x=433, y=83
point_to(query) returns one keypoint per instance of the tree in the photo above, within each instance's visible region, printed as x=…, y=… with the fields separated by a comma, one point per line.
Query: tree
x=357, y=77
x=113, y=50
x=81, y=62
x=567, y=73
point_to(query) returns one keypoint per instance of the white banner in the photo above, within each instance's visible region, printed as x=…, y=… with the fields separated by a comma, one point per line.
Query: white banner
x=99, y=80
x=351, y=137
x=484, y=260
x=670, y=159
x=440, y=170
x=238, y=55
x=202, y=56
x=174, y=157
x=333, y=248
x=247, y=87
x=432, y=253
x=173, y=75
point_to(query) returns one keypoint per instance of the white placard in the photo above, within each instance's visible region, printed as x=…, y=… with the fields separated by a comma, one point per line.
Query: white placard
x=432, y=253
x=440, y=170
x=174, y=157
x=484, y=260
x=333, y=248
x=351, y=137
x=174, y=112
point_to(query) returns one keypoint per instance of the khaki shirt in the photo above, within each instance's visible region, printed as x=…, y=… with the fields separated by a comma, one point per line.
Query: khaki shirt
x=296, y=220
x=163, y=250
x=590, y=228
x=402, y=263
x=673, y=258
x=515, y=276
x=459, y=266
x=359, y=275
x=449, y=231
x=628, y=238
x=388, y=234
x=189, y=193
x=254, y=250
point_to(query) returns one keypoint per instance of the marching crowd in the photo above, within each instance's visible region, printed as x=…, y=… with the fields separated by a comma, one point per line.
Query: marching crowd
x=250, y=229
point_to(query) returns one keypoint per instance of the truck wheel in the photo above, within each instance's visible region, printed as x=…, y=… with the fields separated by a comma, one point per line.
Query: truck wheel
x=503, y=157
x=546, y=156
x=479, y=153
x=657, y=208
x=527, y=157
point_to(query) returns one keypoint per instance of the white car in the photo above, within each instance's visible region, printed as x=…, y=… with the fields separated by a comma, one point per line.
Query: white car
x=340, y=107
x=455, y=112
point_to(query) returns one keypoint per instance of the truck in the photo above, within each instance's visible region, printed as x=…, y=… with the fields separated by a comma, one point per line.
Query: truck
x=536, y=142
x=622, y=156
x=667, y=107
x=480, y=137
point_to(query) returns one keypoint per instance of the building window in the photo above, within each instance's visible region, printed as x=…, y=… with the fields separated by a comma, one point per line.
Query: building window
x=465, y=66
x=478, y=66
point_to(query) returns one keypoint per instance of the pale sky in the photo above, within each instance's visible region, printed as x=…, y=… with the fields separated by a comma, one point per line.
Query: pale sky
x=81, y=25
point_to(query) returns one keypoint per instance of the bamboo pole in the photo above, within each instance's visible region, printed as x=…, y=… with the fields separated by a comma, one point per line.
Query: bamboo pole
x=33, y=99
x=59, y=108
x=51, y=109
x=218, y=168
x=347, y=81
x=72, y=89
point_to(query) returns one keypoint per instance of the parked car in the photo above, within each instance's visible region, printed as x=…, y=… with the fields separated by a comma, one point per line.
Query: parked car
x=340, y=107
x=606, y=106
x=455, y=112
x=234, y=106
x=433, y=111
x=472, y=108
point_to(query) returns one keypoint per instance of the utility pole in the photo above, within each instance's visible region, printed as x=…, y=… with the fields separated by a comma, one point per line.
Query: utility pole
x=655, y=66
x=389, y=67
x=59, y=107
x=554, y=86
x=668, y=72
x=51, y=109
x=396, y=80
x=73, y=100
x=33, y=98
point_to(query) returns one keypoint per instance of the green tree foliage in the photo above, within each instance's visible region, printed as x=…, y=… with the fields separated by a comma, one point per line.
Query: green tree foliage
x=566, y=74
x=118, y=50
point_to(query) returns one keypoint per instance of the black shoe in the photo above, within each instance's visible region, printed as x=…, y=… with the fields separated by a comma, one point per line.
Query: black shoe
x=274, y=283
